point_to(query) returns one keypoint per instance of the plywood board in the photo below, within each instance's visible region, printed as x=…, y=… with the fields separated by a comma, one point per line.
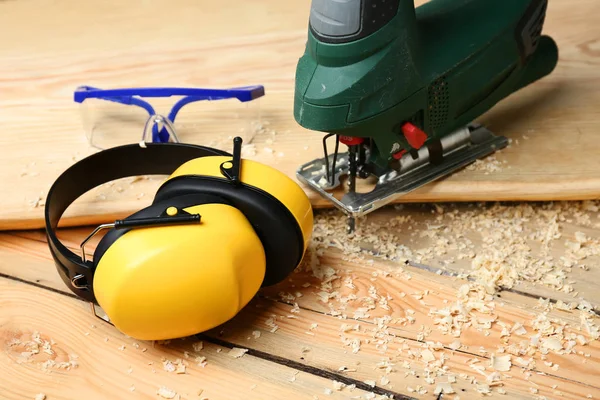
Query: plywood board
x=49, y=48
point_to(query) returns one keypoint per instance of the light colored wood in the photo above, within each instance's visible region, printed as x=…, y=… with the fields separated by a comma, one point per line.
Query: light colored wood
x=459, y=224
x=424, y=227
x=226, y=43
x=327, y=350
x=110, y=364
x=442, y=288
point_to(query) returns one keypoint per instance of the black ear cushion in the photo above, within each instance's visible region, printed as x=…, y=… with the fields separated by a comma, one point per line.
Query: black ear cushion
x=274, y=224
x=155, y=210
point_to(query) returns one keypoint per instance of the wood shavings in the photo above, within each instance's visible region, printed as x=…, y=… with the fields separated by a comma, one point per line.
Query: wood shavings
x=201, y=361
x=427, y=355
x=248, y=150
x=293, y=378
x=486, y=165
x=501, y=363
x=552, y=344
x=270, y=322
x=443, y=388
x=328, y=391
x=180, y=369
x=338, y=386
x=169, y=366
x=237, y=352
x=515, y=248
x=484, y=389
x=518, y=329
x=256, y=334
x=178, y=366
x=40, y=396
x=166, y=393
x=197, y=346
x=455, y=345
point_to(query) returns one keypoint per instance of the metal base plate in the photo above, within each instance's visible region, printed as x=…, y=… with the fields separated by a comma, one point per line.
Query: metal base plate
x=461, y=148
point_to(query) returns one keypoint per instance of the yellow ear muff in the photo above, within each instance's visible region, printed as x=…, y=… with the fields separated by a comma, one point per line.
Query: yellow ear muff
x=263, y=177
x=174, y=281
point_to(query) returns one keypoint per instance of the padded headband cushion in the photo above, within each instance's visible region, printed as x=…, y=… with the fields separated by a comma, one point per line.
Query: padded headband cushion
x=155, y=210
x=274, y=224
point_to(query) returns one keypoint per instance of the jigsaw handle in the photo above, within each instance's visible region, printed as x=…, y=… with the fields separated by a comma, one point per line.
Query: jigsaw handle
x=343, y=21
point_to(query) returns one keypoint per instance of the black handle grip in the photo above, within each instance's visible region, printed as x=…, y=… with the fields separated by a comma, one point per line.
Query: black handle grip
x=157, y=221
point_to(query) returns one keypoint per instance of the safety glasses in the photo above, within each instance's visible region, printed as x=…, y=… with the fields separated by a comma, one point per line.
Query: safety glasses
x=115, y=117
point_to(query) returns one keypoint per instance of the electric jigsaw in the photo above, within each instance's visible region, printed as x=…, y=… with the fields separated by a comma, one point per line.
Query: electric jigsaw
x=401, y=87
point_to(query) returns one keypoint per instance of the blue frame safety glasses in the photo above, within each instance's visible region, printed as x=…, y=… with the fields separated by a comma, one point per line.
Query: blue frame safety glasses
x=114, y=126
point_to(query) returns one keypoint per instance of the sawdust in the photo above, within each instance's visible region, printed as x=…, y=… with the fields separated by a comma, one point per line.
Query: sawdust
x=487, y=165
x=504, y=245
x=501, y=363
x=197, y=346
x=167, y=393
x=237, y=352
x=33, y=348
x=178, y=366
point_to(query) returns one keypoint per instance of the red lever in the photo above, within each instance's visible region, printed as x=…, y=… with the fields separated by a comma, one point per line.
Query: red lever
x=399, y=154
x=415, y=137
x=351, y=140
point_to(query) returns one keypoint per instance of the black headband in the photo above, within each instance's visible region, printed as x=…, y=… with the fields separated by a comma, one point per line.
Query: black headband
x=97, y=169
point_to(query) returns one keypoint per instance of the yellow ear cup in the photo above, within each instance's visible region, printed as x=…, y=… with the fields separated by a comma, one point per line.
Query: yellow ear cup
x=261, y=176
x=174, y=281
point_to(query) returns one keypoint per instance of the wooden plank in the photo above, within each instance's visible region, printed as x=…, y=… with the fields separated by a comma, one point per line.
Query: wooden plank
x=324, y=347
x=326, y=341
x=209, y=46
x=106, y=364
x=442, y=291
x=533, y=242
x=447, y=237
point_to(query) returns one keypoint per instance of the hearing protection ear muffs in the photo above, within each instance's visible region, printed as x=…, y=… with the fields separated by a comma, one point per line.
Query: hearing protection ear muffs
x=218, y=229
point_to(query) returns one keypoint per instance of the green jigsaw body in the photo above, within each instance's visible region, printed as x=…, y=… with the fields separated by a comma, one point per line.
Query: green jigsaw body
x=439, y=66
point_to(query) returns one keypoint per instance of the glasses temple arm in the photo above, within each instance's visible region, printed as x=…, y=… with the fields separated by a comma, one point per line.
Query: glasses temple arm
x=126, y=100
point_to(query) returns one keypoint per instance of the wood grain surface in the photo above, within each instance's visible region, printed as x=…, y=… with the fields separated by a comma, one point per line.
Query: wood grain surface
x=110, y=365
x=51, y=47
x=308, y=337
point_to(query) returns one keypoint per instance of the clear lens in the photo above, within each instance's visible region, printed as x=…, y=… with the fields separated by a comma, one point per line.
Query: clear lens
x=212, y=123
x=108, y=124
x=215, y=123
